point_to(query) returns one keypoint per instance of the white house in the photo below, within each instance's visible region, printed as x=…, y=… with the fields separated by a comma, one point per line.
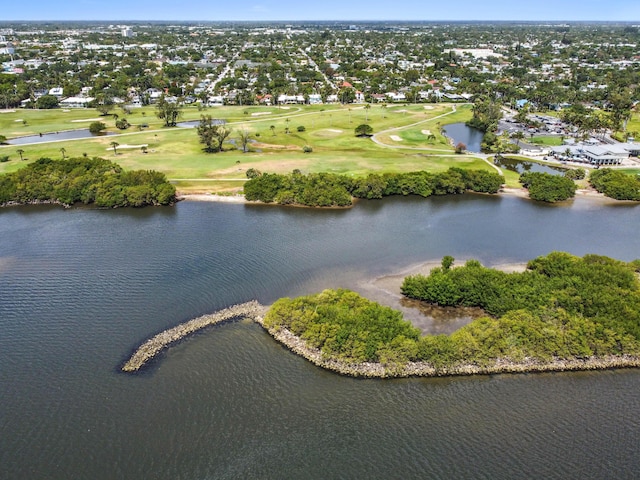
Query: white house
x=396, y=96
x=285, y=99
x=56, y=91
x=76, y=102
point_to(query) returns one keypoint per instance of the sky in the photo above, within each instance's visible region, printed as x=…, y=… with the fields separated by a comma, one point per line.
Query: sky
x=265, y=10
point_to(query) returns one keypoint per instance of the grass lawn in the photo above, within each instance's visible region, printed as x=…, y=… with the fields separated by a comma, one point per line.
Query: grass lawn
x=549, y=141
x=328, y=129
x=634, y=125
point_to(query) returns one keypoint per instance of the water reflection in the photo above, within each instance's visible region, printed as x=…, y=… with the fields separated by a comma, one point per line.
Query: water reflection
x=55, y=136
x=462, y=133
x=522, y=166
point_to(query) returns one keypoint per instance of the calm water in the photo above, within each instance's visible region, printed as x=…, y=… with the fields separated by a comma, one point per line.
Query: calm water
x=80, y=289
x=460, y=132
x=522, y=166
x=55, y=136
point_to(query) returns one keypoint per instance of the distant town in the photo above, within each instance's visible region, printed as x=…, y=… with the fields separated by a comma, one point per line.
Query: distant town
x=576, y=82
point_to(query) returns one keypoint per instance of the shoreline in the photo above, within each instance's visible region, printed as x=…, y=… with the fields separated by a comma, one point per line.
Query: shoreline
x=253, y=310
x=583, y=193
x=424, y=369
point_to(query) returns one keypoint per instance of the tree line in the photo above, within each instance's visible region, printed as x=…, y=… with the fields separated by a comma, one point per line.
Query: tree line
x=327, y=189
x=615, y=184
x=561, y=307
x=546, y=187
x=85, y=180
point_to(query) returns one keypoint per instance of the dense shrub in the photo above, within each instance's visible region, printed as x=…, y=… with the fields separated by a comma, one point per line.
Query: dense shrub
x=97, y=127
x=616, y=184
x=548, y=188
x=591, y=305
x=87, y=180
x=345, y=325
x=325, y=189
x=562, y=307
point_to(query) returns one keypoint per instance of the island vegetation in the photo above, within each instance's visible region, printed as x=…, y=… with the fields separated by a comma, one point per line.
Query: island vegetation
x=84, y=180
x=548, y=188
x=328, y=190
x=563, y=312
x=616, y=184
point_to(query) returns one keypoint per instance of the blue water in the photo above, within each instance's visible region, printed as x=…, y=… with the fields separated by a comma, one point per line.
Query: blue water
x=80, y=289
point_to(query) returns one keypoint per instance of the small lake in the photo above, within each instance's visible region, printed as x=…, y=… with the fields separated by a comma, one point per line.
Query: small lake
x=522, y=166
x=55, y=136
x=195, y=123
x=461, y=132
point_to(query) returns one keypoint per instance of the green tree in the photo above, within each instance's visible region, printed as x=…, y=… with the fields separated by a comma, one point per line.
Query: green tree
x=63, y=151
x=170, y=112
x=486, y=115
x=363, y=130
x=20, y=152
x=548, y=188
x=122, y=124
x=47, y=102
x=114, y=145
x=245, y=136
x=97, y=127
x=104, y=104
x=212, y=133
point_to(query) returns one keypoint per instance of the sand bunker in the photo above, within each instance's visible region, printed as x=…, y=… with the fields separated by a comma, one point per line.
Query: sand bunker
x=18, y=120
x=334, y=130
x=395, y=138
x=88, y=120
x=256, y=114
x=428, y=107
x=7, y=111
x=128, y=146
x=426, y=132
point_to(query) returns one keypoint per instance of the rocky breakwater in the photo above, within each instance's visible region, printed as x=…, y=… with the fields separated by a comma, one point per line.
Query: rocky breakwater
x=157, y=343
x=424, y=369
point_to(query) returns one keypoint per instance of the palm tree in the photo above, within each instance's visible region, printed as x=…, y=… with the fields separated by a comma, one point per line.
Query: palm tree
x=367, y=107
x=273, y=130
x=144, y=149
x=63, y=151
x=20, y=152
x=115, y=145
x=286, y=130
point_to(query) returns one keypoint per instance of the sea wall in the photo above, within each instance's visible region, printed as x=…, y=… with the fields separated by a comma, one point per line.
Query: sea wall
x=157, y=343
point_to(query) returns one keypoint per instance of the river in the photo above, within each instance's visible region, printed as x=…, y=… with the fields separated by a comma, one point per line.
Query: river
x=80, y=289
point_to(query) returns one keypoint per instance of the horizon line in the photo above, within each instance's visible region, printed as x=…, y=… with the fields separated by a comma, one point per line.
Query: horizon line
x=4, y=21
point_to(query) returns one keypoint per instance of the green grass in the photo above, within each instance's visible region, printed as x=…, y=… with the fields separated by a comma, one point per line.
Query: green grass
x=634, y=124
x=549, y=141
x=329, y=130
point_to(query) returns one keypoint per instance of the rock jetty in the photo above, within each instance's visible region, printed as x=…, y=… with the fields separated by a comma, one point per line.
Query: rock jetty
x=255, y=311
x=155, y=344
